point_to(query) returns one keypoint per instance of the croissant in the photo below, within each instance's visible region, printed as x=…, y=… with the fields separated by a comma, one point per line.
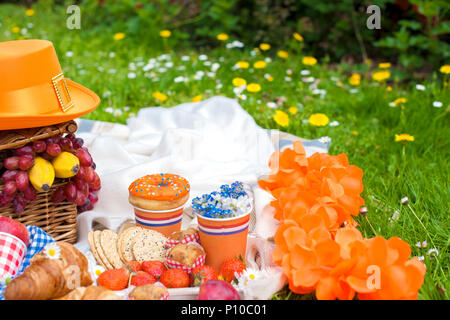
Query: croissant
x=51, y=277
x=91, y=293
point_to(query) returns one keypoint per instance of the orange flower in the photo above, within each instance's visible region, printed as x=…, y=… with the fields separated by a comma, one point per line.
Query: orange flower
x=398, y=277
x=314, y=197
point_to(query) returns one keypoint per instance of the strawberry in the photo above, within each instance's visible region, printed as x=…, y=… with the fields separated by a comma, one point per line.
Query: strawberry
x=133, y=266
x=202, y=274
x=114, y=279
x=229, y=267
x=154, y=267
x=141, y=278
x=175, y=278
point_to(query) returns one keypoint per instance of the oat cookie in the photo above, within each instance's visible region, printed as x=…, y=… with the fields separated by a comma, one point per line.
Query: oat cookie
x=149, y=245
x=99, y=249
x=94, y=250
x=126, y=243
x=108, y=241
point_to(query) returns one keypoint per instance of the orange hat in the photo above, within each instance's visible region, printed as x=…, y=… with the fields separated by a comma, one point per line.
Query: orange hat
x=33, y=90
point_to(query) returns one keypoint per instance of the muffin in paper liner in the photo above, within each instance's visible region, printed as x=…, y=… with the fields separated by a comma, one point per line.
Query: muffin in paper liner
x=199, y=261
x=189, y=238
x=128, y=291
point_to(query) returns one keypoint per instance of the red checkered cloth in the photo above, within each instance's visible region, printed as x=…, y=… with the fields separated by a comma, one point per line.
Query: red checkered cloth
x=172, y=264
x=12, y=253
x=187, y=239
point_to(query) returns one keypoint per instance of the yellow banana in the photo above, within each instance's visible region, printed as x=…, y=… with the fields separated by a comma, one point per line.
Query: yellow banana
x=66, y=165
x=41, y=174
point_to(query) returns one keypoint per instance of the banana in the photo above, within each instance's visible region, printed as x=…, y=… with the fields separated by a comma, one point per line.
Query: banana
x=66, y=165
x=41, y=174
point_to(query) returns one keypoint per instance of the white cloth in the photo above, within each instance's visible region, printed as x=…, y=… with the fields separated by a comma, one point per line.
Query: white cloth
x=210, y=143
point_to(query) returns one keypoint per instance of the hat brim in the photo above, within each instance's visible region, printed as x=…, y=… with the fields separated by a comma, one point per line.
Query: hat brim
x=84, y=101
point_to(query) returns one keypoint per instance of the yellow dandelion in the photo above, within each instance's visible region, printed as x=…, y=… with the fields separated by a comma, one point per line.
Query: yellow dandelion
x=381, y=75
x=29, y=13
x=403, y=137
x=318, y=120
x=269, y=78
x=253, y=87
x=309, y=61
x=15, y=29
x=389, y=88
x=298, y=37
x=222, y=37
x=237, y=82
x=281, y=118
x=354, y=132
x=159, y=96
x=293, y=110
x=355, y=79
x=243, y=64
x=119, y=36
x=283, y=54
x=197, y=98
x=264, y=46
x=384, y=65
x=260, y=64
x=165, y=33
x=399, y=101
x=445, y=69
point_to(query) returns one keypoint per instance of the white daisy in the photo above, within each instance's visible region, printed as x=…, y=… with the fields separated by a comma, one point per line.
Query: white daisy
x=96, y=271
x=437, y=104
x=421, y=258
x=112, y=54
x=243, y=97
x=69, y=54
x=30, y=25
x=420, y=87
x=215, y=66
x=52, y=251
x=272, y=105
x=131, y=75
x=305, y=72
x=433, y=252
x=179, y=79
x=287, y=79
x=112, y=71
x=325, y=140
x=202, y=57
x=289, y=71
x=185, y=58
x=132, y=66
x=334, y=123
x=268, y=60
x=117, y=112
x=162, y=70
x=353, y=90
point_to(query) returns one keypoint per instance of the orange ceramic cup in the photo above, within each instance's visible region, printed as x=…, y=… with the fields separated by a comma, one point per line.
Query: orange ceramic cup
x=223, y=239
x=166, y=222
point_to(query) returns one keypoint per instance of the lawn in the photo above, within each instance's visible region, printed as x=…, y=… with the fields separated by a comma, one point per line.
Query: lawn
x=363, y=117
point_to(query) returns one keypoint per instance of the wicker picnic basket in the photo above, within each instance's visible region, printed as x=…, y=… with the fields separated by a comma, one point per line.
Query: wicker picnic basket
x=57, y=219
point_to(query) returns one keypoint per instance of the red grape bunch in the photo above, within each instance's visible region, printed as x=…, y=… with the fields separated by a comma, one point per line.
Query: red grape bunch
x=14, y=165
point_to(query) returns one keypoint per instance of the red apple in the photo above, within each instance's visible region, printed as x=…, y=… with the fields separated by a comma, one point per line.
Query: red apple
x=15, y=228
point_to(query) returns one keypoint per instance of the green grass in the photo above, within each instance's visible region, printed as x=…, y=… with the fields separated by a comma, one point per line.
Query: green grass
x=366, y=130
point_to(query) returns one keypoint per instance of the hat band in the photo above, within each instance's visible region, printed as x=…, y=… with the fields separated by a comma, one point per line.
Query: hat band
x=50, y=96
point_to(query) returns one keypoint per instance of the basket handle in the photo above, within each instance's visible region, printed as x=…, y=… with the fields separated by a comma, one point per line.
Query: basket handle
x=13, y=139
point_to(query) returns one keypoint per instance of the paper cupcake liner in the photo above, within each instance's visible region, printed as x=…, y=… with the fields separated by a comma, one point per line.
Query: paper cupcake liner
x=12, y=254
x=190, y=238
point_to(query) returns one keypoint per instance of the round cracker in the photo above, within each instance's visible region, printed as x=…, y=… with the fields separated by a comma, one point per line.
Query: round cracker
x=100, y=250
x=108, y=241
x=149, y=245
x=94, y=249
x=126, y=242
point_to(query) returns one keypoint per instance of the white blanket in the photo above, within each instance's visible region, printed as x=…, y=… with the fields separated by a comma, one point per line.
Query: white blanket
x=210, y=143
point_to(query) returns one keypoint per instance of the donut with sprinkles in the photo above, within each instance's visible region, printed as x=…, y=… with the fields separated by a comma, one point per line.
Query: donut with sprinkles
x=159, y=191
